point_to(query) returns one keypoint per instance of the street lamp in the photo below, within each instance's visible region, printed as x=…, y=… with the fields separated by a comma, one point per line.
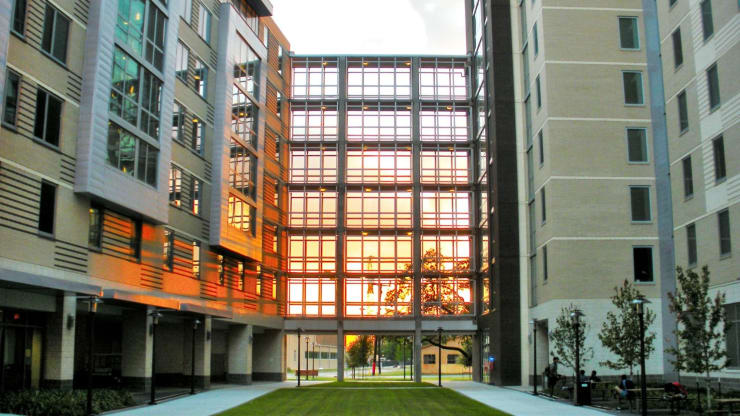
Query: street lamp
x=298, y=370
x=533, y=322
x=155, y=314
x=93, y=302
x=639, y=304
x=313, y=357
x=403, y=357
x=192, y=358
x=306, y=358
x=439, y=352
x=576, y=317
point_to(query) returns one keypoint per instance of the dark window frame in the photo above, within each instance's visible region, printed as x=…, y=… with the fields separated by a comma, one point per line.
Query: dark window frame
x=715, y=100
x=10, y=73
x=95, y=232
x=650, y=269
x=645, y=150
x=635, y=35
x=55, y=14
x=688, y=177
x=639, y=95
x=649, y=217
x=677, y=48
x=44, y=114
x=691, y=247
x=683, y=111
x=720, y=163
x=707, y=20
x=46, y=224
x=724, y=233
x=19, y=18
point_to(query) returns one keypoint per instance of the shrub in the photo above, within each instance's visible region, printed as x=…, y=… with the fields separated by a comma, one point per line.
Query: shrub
x=62, y=402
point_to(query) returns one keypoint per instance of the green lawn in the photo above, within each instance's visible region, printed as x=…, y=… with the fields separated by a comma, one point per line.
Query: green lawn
x=375, y=384
x=368, y=401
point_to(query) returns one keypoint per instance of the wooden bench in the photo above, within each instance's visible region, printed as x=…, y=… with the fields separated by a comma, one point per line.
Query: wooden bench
x=304, y=373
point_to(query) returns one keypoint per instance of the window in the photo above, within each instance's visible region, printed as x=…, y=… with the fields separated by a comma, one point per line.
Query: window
x=539, y=92
x=313, y=78
x=543, y=204
x=640, y=202
x=316, y=165
x=196, y=259
x=242, y=169
x=378, y=297
x=720, y=169
x=677, y=48
x=181, y=61
x=47, y=125
x=311, y=297
x=156, y=28
x=442, y=79
x=314, y=209
x=688, y=178
x=204, y=23
x=379, y=166
x=175, y=186
x=637, y=150
x=452, y=358
x=247, y=13
x=535, y=39
x=241, y=215
x=132, y=155
x=691, y=244
x=379, y=77
x=314, y=123
x=168, y=249
x=733, y=334
x=197, y=134
x=430, y=358
x=201, y=78
x=221, y=270
x=312, y=253
x=47, y=207
x=628, y=33
x=725, y=246
x=445, y=253
x=135, y=94
x=246, y=65
x=442, y=209
x=187, y=10
x=444, y=296
x=544, y=263
x=683, y=112
x=244, y=116
x=707, y=24
x=195, y=195
x=671, y=2
x=381, y=123
x=713, y=86
x=56, y=28
x=377, y=253
x=10, y=104
x=19, y=16
x=642, y=258
x=135, y=242
x=95, y=233
x=632, y=82
x=437, y=123
x=541, y=143
x=178, y=120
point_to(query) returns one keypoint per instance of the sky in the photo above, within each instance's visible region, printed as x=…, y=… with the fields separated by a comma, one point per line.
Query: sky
x=420, y=27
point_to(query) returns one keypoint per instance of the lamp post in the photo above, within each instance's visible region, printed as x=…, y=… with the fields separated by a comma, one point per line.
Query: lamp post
x=639, y=304
x=298, y=370
x=439, y=352
x=403, y=357
x=306, y=358
x=155, y=314
x=576, y=317
x=92, y=310
x=533, y=322
x=192, y=358
x=313, y=357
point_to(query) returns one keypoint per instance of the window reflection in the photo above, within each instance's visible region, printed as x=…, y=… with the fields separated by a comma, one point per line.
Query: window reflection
x=445, y=166
x=311, y=297
x=382, y=78
x=379, y=166
x=373, y=123
x=378, y=254
x=313, y=209
x=379, y=209
x=313, y=165
x=315, y=78
x=446, y=296
x=445, y=253
x=312, y=253
x=314, y=123
x=445, y=210
x=378, y=297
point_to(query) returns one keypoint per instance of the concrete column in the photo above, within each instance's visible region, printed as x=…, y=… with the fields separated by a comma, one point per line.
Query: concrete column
x=476, y=358
x=340, y=352
x=268, y=354
x=136, y=349
x=59, y=355
x=203, y=354
x=239, y=359
x=417, y=354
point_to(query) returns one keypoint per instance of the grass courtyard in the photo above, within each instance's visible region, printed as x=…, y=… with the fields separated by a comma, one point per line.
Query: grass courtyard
x=369, y=398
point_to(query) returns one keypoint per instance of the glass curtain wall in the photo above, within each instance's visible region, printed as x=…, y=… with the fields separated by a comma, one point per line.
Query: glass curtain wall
x=381, y=188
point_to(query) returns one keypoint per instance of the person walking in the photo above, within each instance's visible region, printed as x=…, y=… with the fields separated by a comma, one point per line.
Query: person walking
x=552, y=375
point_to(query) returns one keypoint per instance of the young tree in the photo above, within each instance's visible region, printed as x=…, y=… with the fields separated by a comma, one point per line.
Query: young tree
x=702, y=325
x=620, y=333
x=359, y=351
x=563, y=338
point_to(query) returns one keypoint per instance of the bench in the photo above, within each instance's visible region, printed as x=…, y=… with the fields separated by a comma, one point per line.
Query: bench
x=310, y=373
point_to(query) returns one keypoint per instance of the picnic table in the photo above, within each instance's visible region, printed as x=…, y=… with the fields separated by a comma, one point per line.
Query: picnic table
x=732, y=402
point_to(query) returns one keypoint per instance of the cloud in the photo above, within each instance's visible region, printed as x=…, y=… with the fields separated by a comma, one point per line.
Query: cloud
x=372, y=27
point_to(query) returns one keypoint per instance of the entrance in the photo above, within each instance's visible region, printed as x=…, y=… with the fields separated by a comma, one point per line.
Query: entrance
x=20, y=350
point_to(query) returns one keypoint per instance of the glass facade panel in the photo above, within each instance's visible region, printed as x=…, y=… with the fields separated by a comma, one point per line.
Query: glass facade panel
x=444, y=124
x=379, y=209
x=312, y=253
x=378, y=297
x=445, y=210
x=384, y=123
x=313, y=165
x=379, y=166
x=381, y=78
x=311, y=296
x=314, y=123
x=378, y=254
x=313, y=209
x=446, y=296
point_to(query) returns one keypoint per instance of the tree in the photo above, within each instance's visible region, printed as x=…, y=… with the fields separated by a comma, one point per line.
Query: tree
x=564, y=339
x=620, y=333
x=466, y=359
x=702, y=325
x=359, y=351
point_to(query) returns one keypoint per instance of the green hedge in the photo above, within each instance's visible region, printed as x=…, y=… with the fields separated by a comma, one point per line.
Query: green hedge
x=62, y=402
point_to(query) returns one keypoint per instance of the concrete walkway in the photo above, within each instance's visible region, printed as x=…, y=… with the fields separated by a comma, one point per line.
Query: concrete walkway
x=516, y=402
x=207, y=403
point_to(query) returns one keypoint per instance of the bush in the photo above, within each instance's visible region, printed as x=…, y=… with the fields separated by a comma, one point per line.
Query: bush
x=62, y=402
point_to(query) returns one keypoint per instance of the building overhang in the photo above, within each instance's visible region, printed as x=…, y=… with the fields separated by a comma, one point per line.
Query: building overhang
x=22, y=280
x=262, y=7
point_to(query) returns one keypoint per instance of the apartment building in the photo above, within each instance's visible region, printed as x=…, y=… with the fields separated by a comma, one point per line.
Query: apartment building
x=701, y=52
x=142, y=165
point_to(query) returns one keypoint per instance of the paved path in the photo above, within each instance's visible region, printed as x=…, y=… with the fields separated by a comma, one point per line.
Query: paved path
x=516, y=402
x=209, y=402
